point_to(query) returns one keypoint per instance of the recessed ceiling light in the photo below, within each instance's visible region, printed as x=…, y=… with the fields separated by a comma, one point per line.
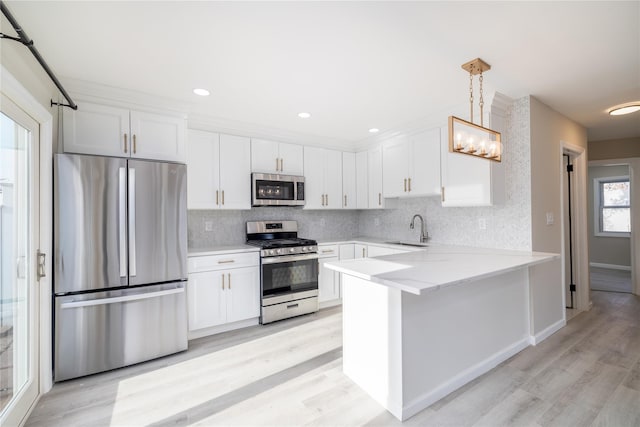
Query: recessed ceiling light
x=201, y=92
x=374, y=130
x=304, y=115
x=628, y=108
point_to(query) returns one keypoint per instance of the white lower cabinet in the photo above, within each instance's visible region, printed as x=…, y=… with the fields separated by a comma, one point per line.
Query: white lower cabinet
x=223, y=289
x=328, y=280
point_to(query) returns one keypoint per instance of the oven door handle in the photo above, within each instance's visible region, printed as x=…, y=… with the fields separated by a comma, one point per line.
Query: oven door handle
x=288, y=258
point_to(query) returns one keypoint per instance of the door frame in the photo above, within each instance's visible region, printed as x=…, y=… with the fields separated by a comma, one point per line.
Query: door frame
x=634, y=177
x=13, y=89
x=578, y=156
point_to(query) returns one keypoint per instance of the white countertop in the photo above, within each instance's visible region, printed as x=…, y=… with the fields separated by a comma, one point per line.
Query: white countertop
x=219, y=250
x=437, y=266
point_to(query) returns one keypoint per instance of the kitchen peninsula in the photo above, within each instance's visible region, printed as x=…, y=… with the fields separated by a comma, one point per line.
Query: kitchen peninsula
x=418, y=325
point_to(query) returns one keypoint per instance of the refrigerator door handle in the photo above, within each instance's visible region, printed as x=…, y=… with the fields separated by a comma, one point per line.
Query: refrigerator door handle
x=122, y=220
x=132, y=222
x=103, y=301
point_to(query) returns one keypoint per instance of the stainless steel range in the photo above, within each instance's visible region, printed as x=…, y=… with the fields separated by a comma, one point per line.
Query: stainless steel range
x=289, y=269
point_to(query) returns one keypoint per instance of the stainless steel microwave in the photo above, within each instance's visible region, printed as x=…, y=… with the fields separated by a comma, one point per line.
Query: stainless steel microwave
x=276, y=190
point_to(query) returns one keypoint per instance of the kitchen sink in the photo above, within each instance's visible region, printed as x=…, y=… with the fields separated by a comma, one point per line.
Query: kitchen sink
x=414, y=244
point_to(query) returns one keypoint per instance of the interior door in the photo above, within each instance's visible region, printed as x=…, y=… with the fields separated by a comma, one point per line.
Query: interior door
x=19, y=237
x=157, y=222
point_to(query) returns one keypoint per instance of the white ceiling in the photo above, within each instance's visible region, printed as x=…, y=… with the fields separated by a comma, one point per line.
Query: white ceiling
x=352, y=65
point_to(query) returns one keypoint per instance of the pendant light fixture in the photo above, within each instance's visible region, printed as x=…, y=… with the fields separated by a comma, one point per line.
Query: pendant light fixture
x=466, y=137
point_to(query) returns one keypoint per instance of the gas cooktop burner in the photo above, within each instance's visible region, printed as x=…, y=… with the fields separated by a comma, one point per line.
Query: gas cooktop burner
x=281, y=243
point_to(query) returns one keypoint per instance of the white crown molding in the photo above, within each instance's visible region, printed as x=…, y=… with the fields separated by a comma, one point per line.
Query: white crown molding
x=234, y=127
x=125, y=98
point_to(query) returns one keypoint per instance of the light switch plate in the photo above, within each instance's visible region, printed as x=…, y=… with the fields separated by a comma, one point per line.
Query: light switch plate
x=208, y=226
x=550, y=218
x=482, y=224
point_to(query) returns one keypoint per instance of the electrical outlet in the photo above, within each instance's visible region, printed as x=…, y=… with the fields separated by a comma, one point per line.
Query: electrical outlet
x=322, y=222
x=550, y=219
x=482, y=224
x=208, y=226
x=376, y=222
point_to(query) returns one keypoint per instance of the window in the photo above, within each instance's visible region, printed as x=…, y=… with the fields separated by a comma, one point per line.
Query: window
x=613, y=206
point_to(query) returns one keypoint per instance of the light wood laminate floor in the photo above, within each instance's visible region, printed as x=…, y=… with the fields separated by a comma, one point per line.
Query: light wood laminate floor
x=290, y=373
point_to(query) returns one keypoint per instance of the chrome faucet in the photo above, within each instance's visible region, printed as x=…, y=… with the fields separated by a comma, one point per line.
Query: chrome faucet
x=424, y=236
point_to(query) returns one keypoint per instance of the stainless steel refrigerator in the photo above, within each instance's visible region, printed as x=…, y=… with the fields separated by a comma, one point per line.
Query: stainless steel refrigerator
x=120, y=262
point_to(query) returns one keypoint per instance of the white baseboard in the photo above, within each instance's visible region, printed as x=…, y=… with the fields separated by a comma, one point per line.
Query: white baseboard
x=462, y=378
x=610, y=266
x=547, y=332
x=332, y=303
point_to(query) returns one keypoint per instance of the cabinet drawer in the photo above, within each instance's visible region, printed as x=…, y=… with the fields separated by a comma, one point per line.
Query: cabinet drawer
x=328, y=251
x=219, y=262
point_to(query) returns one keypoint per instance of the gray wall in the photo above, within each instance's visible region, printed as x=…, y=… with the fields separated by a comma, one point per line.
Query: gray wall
x=606, y=250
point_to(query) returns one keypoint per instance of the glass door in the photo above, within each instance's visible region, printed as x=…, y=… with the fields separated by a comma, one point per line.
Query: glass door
x=19, y=242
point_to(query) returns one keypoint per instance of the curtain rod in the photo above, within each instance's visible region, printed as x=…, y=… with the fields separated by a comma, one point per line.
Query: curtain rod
x=25, y=40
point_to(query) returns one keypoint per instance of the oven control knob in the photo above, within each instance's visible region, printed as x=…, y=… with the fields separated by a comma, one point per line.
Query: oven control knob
x=303, y=249
x=279, y=251
x=292, y=250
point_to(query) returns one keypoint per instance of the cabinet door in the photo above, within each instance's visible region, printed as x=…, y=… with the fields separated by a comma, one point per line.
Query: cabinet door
x=96, y=129
x=333, y=179
x=359, y=251
x=347, y=251
x=158, y=137
x=362, y=180
x=314, y=177
x=328, y=281
x=292, y=159
x=235, y=172
x=375, y=178
x=349, y=198
x=395, y=169
x=264, y=156
x=202, y=170
x=466, y=180
x=206, y=300
x=424, y=163
x=243, y=293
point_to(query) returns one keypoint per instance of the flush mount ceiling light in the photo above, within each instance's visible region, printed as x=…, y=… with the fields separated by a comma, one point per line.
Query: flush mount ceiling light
x=304, y=115
x=374, y=130
x=465, y=137
x=201, y=92
x=628, y=108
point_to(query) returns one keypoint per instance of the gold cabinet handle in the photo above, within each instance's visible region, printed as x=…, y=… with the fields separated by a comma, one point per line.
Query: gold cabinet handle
x=409, y=185
x=281, y=164
x=125, y=142
x=217, y=202
x=222, y=197
x=379, y=199
x=327, y=199
x=363, y=253
x=322, y=200
x=277, y=164
x=227, y=261
x=229, y=283
x=134, y=143
x=345, y=200
x=443, y=194
x=405, y=185
x=223, y=281
x=327, y=251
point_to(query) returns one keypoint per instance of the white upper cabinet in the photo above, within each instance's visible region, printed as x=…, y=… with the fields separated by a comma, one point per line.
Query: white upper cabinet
x=469, y=180
x=349, y=190
x=362, y=180
x=376, y=200
x=218, y=172
x=276, y=157
x=323, y=178
x=411, y=165
x=112, y=131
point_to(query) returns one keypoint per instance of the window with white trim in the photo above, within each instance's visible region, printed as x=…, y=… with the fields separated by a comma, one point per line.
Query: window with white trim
x=613, y=206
